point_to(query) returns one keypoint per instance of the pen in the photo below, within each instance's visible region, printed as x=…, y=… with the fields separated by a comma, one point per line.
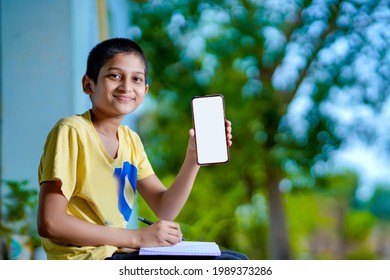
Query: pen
x=146, y=221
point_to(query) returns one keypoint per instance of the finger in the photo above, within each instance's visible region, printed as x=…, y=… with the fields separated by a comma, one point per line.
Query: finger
x=168, y=224
x=228, y=124
x=174, y=238
x=229, y=135
x=167, y=233
x=175, y=231
x=191, y=132
x=171, y=227
x=229, y=130
x=229, y=138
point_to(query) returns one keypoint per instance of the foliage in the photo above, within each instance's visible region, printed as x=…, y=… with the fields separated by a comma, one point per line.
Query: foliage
x=379, y=203
x=267, y=60
x=324, y=225
x=20, y=209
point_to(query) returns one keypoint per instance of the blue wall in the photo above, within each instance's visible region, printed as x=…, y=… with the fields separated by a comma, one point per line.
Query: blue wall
x=44, y=47
x=42, y=42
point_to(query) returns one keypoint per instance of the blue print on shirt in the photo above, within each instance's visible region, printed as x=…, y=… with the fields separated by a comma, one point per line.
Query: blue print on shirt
x=130, y=172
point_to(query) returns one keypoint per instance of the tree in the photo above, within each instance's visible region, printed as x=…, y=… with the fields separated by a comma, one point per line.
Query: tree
x=282, y=67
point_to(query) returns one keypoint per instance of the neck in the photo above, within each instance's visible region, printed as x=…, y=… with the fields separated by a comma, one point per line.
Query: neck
x=104, y=124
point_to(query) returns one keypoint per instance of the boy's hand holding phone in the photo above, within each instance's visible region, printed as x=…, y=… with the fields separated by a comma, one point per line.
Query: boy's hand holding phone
x=213, y=133
x=191, y=150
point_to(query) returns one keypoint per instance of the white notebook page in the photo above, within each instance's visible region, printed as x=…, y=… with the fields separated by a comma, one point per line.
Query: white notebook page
x=184, y=248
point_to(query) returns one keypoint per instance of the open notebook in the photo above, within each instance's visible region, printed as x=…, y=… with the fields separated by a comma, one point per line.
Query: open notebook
x=184, y=248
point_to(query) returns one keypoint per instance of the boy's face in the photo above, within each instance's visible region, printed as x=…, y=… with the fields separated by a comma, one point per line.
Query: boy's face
x=120, y=87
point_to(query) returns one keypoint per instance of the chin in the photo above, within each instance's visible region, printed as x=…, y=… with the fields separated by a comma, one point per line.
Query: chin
x=129, y=110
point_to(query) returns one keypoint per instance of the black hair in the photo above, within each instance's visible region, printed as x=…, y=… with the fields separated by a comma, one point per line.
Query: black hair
x=106, y=50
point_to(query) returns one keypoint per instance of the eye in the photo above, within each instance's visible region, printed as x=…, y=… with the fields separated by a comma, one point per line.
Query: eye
x=115, y=76
x=138, y=79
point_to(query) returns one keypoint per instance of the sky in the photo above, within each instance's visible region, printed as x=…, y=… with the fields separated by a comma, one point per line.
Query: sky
x=360, y=110
x=370, y=160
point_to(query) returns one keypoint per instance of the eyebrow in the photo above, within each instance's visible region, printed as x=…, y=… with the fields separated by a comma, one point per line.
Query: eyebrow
x=120, y=69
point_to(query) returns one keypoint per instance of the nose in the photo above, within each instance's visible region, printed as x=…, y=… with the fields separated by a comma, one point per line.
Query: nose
x=125, y=87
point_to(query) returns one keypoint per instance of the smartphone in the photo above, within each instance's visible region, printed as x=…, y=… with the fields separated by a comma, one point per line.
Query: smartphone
x=208, y=116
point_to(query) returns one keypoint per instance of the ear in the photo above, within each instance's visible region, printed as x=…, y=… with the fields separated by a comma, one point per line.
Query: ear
x=146, y=89
x=146, y=92
x=87, y=85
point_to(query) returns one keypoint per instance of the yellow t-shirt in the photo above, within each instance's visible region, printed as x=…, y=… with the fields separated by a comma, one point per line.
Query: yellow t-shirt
x=100, y=189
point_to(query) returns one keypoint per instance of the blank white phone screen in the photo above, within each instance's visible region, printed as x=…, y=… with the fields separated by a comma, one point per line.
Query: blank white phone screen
x=210, y=133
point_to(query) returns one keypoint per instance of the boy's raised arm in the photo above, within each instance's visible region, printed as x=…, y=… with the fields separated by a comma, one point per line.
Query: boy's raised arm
x=167, y=203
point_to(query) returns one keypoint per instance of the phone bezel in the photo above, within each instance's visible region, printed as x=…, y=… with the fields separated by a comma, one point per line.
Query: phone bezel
x=193, y=125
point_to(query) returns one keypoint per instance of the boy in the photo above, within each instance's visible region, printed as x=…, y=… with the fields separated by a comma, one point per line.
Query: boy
x=92, y=166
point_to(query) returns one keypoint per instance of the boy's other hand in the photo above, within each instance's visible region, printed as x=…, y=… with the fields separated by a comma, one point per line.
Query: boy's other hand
x=161, y=233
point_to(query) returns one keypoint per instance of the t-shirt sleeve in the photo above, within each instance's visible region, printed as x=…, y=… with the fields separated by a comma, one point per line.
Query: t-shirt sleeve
x=59, y=159
x=144, y=167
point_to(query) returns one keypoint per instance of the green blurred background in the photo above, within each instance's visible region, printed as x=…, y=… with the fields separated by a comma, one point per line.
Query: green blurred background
x=306, y=86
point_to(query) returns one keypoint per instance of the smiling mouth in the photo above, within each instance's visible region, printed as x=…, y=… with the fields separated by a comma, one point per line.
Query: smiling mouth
x=124, y=98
